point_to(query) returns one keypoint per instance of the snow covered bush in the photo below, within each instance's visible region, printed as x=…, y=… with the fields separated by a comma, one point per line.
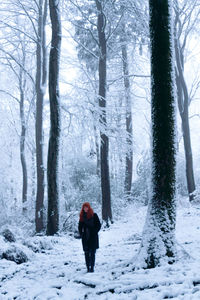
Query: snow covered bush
x=15, y=254
x=70, y=222
x=8, y=235
x=12, y=250
x=39, y=243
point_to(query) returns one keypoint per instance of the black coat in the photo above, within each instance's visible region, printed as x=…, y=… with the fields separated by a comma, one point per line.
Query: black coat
x=88, y=230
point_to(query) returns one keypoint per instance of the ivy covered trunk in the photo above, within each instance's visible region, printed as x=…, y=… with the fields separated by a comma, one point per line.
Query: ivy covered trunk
x=158, y=242
x=53, y=150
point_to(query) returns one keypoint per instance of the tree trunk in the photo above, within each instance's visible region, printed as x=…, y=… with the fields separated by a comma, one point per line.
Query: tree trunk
x=33, y=174
x=22, y=143
x=158, y=241
x=41, y=77
x=104, y=146
x=39, y=125
x=183, y=104
x=129, y=128
x=96, y=137
x=188, y=157
x=53, y=150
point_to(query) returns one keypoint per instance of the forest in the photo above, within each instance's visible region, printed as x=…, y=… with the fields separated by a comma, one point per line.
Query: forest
x=99, y=103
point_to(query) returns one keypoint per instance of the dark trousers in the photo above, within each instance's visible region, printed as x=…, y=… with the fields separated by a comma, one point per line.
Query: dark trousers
x=90, y=259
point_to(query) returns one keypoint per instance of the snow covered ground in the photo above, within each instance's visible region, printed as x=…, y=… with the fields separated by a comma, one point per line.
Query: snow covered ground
x=58, y=271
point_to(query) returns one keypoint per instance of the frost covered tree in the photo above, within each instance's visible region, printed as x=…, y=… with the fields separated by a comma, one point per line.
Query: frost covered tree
x=53, y=150
x=93, y=30
x=129, y=30
x=132, y=29
x=158, y=241
x=16, y=52
x=31, y=25
x=87, y=51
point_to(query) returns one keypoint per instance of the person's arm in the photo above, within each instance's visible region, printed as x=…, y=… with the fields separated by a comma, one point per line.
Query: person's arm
x=97, y=222
x=80, y=226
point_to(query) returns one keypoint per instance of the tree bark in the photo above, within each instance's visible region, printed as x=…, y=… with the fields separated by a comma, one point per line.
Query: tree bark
x=40, y=83
x=158, y=241
x=22, y=142
x=96, y=137
x=129, y=127
x=53, y=150
x=104, y=146
x=33, y=174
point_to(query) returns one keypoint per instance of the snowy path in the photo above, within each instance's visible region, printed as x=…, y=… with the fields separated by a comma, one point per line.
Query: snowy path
x=59, y=273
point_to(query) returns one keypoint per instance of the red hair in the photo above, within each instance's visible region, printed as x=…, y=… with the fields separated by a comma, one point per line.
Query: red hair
x=90, y=211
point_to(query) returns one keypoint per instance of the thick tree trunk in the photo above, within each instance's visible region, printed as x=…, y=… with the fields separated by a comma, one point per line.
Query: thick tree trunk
x=39, y=128
x=183, y=104
x=158, y=241
x=104, y=147
x=53, y=151
x=129, y=128
x=40, y=83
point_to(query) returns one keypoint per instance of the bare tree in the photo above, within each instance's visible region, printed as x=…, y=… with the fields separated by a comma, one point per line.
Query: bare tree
x=105, y=181
x=53, y=151
x=34, y=21
x=129, y=126
x=184, y=24
x=41, y=78
x=15, y=57
x=22, y=84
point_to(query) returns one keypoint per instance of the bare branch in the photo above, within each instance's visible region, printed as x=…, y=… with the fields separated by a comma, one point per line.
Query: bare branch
x=29, y=17
x=129, y=76
x=19, y=30
x=9, y=94
x=18, y=63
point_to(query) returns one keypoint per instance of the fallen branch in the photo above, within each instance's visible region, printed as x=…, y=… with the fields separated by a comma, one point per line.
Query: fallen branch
x=92, y=285
x=127, y=290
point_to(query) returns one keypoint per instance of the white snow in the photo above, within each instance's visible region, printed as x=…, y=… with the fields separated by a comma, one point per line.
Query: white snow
x=56, y=270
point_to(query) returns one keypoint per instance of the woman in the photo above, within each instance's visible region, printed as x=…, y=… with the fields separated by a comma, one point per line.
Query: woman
x=89, y=226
